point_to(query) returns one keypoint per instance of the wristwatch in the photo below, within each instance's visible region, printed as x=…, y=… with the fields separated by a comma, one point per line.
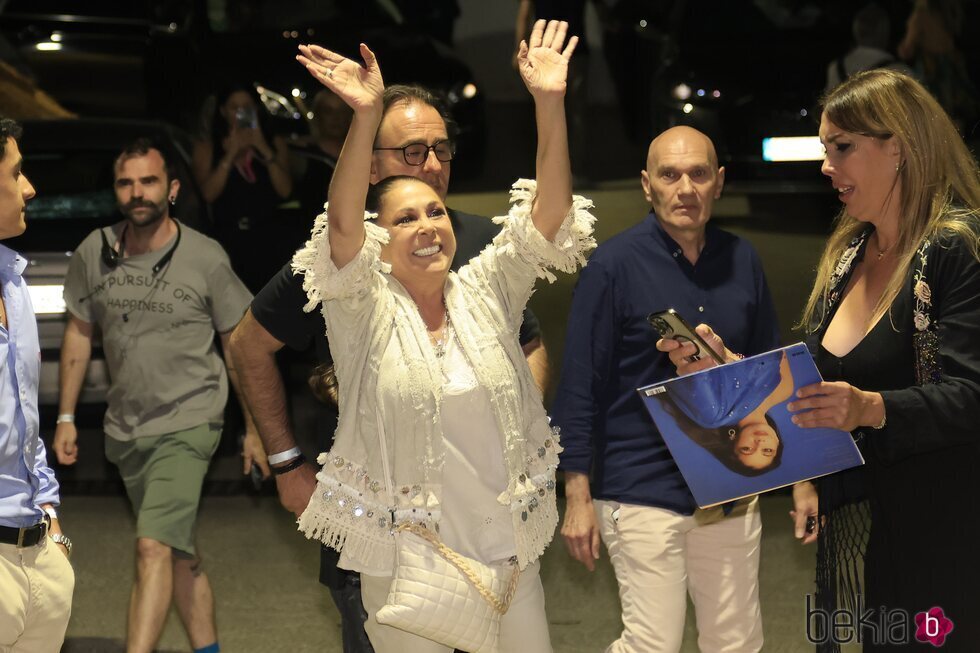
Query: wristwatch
x=62, y=539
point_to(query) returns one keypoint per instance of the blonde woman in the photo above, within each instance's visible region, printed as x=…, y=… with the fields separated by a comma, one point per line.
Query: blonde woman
x=893, y=322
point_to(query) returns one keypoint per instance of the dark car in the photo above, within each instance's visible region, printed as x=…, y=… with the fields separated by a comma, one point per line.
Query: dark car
x=743, y=75
x=162, y=59
x=750, y=74
x=70, y=164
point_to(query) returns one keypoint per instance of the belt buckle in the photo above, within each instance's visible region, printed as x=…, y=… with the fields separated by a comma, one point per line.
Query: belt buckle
x=22, y=531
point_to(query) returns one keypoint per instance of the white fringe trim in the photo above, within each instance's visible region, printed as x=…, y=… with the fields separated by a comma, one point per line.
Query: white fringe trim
x=566, y=252
x=535, y=534
x=366, y=537
x=321, y=278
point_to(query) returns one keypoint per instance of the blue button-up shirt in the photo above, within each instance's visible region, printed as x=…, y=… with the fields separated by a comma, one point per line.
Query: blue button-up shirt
x=26, y=481
x=610, y=352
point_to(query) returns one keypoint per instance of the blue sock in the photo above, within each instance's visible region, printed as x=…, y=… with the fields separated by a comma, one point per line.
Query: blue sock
x=210, y=648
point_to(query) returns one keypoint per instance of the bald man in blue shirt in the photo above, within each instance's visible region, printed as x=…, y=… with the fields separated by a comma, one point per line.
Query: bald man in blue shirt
x=621, y=483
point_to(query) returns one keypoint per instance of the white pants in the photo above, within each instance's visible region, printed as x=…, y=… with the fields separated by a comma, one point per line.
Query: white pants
x=659, y=556
x=36, y=584
x=524, y=629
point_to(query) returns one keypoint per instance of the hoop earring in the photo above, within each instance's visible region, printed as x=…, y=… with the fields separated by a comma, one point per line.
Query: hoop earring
x=731, y=434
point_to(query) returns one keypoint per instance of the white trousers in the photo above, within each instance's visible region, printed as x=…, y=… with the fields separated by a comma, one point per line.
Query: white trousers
x=523, y=629
x=36, y=584
x=659, y=556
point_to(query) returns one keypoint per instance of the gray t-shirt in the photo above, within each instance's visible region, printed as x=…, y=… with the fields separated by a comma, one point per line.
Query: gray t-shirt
x=158, y=330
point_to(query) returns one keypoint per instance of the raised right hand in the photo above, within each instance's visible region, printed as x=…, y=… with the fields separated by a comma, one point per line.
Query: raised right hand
x=66, y=443
x=543, y=60
x=296, y=488
x=361, y=87
x=680, y=352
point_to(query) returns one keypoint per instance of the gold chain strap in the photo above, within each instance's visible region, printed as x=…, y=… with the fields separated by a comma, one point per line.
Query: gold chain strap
x=499, y=605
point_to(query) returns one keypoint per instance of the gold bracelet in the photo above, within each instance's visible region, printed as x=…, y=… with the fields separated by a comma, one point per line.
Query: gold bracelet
x=881, y=425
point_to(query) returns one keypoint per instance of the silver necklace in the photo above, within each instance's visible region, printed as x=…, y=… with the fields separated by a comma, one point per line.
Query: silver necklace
x=439, y=344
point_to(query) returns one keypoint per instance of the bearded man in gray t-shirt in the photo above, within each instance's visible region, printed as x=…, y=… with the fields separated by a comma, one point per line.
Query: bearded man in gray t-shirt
x=158, y=291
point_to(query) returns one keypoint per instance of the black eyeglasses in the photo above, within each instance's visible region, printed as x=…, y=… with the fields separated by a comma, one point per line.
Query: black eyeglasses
x=416, y=153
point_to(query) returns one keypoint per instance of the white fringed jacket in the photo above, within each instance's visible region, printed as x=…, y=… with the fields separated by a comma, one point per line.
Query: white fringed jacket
x=390, y=384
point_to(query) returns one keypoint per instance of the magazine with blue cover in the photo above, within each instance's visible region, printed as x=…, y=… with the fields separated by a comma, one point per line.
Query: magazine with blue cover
x=730, y=433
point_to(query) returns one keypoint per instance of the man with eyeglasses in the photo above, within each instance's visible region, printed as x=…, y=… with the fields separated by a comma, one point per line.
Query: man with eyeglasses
x=415, y=154
x=414, y=139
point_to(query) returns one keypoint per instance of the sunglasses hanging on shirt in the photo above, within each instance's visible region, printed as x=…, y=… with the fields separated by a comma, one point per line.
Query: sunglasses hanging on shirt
x=111, y=257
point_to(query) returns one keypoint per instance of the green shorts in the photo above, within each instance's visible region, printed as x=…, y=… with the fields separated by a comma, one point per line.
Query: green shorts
x=163, y=476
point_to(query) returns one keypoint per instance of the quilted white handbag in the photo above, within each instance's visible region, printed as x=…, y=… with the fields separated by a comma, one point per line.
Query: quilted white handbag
x=446, y=597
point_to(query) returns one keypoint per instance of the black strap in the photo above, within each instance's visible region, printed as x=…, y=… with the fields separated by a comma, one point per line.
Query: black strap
x=290, y=466
x=23, y=536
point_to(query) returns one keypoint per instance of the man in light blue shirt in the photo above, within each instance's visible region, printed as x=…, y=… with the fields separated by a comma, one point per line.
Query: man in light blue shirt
x=36, y=579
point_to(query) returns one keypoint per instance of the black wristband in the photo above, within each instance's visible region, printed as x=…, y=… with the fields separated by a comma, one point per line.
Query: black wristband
x=290, y=466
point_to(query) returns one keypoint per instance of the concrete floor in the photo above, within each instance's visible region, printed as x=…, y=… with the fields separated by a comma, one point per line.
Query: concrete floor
x=267, y=599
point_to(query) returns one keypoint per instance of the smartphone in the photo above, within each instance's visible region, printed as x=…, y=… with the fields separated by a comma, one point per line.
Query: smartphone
x=255, y=475
x=670, y=324
x=246, y=118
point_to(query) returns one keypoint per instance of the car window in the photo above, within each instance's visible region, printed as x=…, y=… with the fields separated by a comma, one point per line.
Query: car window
x=105, y=9
x=792, y=43
x=261, y=15
x=75, y=196
x=67, y=175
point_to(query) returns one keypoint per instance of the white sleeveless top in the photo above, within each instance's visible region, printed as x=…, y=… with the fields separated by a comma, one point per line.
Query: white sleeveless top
x=474, y=523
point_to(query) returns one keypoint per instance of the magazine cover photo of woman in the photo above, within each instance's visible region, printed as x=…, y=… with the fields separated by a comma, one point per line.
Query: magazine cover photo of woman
x=730, y=416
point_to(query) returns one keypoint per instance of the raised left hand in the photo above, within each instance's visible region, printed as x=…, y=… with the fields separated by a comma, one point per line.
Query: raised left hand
x=834, y=404
x=543, y=63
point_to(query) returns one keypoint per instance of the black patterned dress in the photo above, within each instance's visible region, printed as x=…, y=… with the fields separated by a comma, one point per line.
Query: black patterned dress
x=902, y=530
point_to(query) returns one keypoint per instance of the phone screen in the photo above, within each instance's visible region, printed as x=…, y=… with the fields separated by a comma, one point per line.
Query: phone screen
x=246, y=117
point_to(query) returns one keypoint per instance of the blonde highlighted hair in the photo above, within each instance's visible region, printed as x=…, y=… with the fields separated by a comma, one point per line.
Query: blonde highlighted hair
x=940, y=180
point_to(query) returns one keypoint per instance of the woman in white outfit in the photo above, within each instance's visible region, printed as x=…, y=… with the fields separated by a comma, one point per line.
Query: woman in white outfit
x=440, y=421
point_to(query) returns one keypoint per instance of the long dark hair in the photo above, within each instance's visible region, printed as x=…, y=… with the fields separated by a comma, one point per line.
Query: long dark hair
x=719, y=441
x=219, y=128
